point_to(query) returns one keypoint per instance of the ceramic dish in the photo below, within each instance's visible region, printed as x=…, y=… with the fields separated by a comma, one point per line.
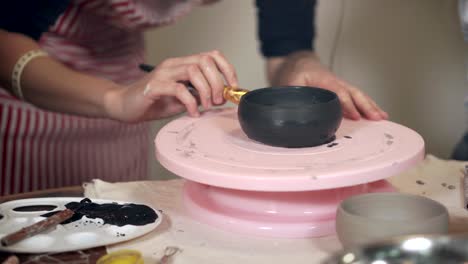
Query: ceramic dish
x=293, y=117
x=81, y=234
x=407, y=250
x=370, y=217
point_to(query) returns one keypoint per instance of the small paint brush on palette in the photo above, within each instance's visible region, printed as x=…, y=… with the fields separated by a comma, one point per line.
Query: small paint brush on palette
x=37, y=228
x=64, y=224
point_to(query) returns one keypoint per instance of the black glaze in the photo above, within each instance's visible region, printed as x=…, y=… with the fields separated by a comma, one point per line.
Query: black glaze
x=1, y=217
x=349, y=137
x=291, y=117
x=35, y=208
x=332, y=145
x=111, y=213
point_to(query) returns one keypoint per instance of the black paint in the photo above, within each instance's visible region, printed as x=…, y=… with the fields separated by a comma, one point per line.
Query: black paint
x=420, y=182
x=290, y=116
x=332, y=144
x=35, y=208
x=111, y=213
x=120, y=234
x=348, y=137
x=1, y=217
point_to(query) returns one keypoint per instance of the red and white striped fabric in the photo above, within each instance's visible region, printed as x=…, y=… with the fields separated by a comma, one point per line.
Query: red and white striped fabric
x=40, y=149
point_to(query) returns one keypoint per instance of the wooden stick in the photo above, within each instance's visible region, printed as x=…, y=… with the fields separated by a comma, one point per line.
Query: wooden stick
x=39, y=227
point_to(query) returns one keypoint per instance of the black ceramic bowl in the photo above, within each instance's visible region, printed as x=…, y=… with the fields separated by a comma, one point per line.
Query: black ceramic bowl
x=292, y=117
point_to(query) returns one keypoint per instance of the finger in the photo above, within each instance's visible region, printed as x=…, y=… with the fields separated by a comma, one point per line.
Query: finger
x=349, y=109
x=179, y=73
x=212, y=74
x=193, y=74
x=202, y=80
x=166, y=106
x=341, y=88
x=364, y=105
x=225, y=67
x=367, y=105
x=198, y=80
x=171, y=62
x=383, y=114
x=178, y=90
x=174, y=73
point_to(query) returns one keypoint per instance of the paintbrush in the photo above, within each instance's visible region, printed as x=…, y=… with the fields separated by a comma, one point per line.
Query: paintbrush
x=42, y=226
x=232, y=94
x=39, y=227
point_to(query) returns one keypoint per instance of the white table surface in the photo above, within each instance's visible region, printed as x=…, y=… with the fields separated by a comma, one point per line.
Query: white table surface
x=200, y=243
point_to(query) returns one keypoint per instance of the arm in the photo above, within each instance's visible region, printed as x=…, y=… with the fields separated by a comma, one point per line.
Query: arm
x=51, y=85
x=286, y=32
x=45, y=82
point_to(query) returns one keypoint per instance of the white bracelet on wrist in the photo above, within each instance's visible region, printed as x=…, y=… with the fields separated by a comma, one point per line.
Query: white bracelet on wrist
x=18, y=70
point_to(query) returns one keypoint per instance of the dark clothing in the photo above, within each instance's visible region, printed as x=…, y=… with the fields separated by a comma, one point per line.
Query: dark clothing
x=461, y=149
x=283, y=26
x=31, y=18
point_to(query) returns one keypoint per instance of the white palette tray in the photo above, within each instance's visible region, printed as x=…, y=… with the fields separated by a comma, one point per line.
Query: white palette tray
x=82, y=234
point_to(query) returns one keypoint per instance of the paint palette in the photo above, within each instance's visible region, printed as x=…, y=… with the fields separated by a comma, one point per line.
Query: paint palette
x=81, y=234
x=241, y=185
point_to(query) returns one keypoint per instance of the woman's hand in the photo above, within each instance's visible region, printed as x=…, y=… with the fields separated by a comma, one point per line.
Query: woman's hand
x=162, y=92
x=51, y=85
x=304, y=69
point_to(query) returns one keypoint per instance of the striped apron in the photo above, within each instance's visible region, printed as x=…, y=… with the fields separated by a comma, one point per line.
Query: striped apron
x=41, y=149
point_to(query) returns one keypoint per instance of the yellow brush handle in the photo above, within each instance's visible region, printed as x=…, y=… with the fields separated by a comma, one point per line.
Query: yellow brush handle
x=234, y=94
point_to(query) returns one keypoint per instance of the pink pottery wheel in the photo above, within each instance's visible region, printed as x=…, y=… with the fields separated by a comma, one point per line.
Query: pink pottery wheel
x=244, y=186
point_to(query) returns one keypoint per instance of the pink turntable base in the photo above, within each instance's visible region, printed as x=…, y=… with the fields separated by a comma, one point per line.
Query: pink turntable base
x=244, y=186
